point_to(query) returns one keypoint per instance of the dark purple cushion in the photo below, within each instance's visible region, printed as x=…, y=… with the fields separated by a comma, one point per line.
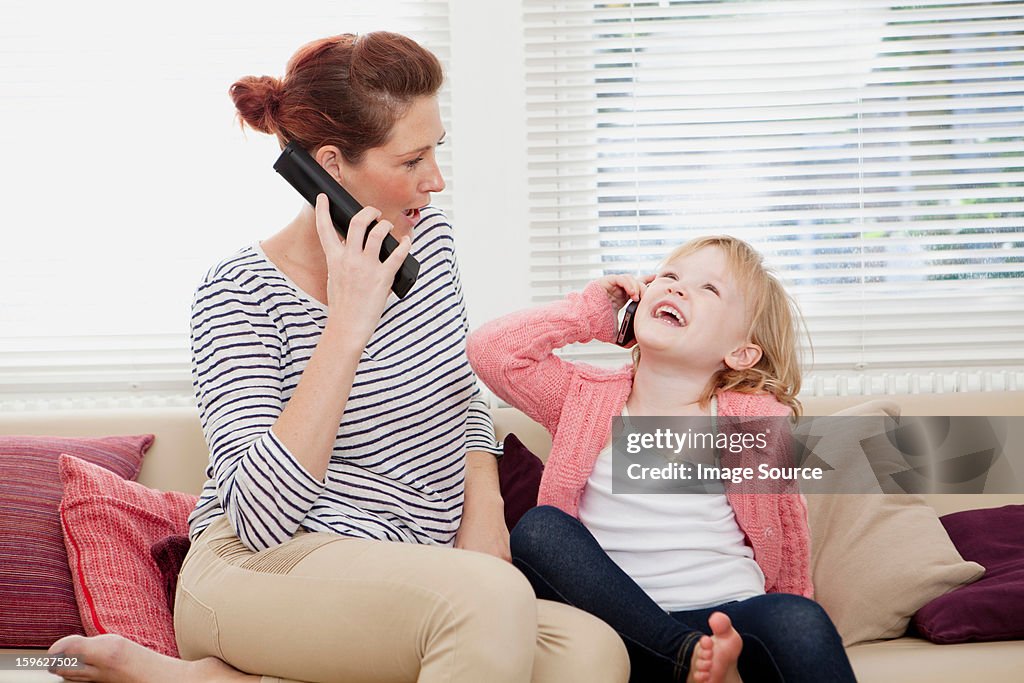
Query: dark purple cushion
x=989, y=608
x=519, y=472
x=168, y=553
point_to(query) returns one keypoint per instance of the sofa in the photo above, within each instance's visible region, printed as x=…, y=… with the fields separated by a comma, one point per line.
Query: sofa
x=177, y=458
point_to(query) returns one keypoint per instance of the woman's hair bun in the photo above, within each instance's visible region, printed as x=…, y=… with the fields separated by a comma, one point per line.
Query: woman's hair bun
x=344, y=90
x=258, y=100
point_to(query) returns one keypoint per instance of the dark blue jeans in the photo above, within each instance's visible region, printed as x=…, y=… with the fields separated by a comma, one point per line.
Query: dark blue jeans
x=785, y=637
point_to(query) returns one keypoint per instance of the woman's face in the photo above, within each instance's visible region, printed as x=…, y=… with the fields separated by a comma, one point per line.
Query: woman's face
x=398, y=177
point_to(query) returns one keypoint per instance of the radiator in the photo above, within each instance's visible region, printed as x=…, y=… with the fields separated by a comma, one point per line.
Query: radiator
x=89, y=401
x=910, y=382
x=815, y=384
x=891, y=383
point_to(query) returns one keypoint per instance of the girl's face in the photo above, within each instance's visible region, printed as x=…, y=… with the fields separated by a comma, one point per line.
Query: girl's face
x=399, y=176
x=693, y=313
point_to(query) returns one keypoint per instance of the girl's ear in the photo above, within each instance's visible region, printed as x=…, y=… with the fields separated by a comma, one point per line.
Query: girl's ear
x=743, y=357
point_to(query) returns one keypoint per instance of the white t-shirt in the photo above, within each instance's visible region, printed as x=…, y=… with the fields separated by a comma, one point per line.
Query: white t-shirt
x=685, y=550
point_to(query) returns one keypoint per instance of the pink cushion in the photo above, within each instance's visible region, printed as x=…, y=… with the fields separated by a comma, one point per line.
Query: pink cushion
x=109, y=526
x=37, y=599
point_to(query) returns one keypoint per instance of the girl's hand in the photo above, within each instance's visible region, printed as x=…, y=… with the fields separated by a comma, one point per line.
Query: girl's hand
x=358, y=283
x=624, y=288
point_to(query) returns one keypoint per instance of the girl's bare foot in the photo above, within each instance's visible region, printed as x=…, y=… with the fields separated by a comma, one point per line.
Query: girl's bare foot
x=715, y=657
x=114, y=659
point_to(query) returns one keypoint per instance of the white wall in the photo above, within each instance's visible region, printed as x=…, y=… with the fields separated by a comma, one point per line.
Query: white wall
x=154, y=171
x=489, y=176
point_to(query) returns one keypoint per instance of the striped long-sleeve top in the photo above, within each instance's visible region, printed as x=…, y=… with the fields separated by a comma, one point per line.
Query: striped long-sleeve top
x=398, y=466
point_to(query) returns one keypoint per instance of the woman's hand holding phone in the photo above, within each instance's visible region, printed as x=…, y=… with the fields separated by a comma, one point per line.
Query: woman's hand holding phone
x=358, y=283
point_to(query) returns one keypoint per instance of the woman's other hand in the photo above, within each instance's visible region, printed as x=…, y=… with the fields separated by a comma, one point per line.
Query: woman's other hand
x=483, y=512
x=484, y=531
x=358, y=283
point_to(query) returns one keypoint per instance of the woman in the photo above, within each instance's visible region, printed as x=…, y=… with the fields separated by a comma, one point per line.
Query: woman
x=340, y=418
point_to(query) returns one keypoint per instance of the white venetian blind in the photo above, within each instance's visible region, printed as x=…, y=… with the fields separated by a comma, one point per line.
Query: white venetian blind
x=873, y=151
x=126, y=175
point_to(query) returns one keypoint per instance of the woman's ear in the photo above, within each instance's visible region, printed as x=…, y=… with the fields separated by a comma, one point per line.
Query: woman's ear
x=743, y=357
x=330, y=157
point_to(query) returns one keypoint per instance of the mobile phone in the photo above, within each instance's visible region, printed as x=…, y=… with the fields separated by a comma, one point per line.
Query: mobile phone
x=626, y=335
x=310, y=179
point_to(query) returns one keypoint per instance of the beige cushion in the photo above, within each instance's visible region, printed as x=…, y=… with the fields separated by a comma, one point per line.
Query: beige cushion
x=876, y=559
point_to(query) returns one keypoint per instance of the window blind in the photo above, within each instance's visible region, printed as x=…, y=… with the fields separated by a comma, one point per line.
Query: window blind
x=872, y=151
x=127, y=176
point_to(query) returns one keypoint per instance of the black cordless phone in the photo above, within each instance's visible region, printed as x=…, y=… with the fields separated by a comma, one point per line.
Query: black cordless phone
x=626, y=335
x=310, y=179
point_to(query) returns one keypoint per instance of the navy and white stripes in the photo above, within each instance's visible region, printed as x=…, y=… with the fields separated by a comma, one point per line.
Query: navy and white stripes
x=414, y=410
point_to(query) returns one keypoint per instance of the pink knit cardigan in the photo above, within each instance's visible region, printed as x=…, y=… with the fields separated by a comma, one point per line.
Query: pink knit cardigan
x=576, y=402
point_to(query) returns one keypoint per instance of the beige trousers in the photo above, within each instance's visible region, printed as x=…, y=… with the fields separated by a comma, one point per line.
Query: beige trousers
x=322, y=608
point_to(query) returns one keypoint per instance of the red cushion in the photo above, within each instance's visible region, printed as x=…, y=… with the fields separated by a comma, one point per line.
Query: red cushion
x=36, y=592
x=110, y=524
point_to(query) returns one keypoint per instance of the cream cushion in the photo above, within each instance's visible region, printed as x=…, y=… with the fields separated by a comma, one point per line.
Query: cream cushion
x=876, y=559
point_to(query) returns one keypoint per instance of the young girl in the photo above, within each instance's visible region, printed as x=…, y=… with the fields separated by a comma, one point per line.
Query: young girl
x=700, y=587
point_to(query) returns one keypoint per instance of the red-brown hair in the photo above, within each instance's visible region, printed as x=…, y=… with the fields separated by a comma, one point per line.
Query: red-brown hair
x=346, y=91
